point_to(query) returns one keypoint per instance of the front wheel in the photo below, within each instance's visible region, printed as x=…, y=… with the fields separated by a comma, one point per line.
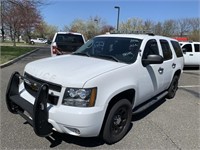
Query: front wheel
x=173, y=87
x=118, y=121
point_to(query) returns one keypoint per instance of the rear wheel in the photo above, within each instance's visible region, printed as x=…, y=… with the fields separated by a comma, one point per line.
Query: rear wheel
x=173, y=87
x=118, y=121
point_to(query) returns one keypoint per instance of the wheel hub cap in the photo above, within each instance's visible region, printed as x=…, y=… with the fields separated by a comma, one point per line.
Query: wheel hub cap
x=117, y=120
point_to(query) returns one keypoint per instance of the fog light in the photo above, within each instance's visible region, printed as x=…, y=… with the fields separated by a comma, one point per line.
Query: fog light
x=74, y=130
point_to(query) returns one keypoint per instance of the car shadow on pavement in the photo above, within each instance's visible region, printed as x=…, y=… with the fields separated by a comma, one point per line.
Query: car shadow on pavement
x=57, y=138
x=141, y=115
x=192, y=68
x=194, y=93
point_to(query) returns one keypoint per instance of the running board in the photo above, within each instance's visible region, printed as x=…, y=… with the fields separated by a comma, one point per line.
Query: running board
x=149, y=103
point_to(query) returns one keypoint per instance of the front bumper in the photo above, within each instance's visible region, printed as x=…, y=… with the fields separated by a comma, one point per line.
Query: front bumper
x=38, y=111
x=44, y=117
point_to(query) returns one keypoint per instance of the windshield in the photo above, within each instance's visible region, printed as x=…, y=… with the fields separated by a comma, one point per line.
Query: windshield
x=112, y=48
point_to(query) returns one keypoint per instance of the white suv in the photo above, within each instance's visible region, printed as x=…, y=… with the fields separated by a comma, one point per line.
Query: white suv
x=65, y=42
x=93, y=91
x=191, y=53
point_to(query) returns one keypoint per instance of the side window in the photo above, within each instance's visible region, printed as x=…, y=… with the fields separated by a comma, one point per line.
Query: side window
x=177, y=48
x=196, y=47
x=167, y=53
x=151, y=48
x=188, y=47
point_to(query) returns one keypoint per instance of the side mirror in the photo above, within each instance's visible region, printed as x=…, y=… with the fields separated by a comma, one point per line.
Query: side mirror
x=184, y=50
x=152, y=59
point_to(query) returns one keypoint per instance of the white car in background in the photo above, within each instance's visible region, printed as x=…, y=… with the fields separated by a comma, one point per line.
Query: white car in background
x=39, y=40
x=191, y=53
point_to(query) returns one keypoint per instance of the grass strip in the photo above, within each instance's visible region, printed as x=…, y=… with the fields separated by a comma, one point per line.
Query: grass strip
x=9, y=52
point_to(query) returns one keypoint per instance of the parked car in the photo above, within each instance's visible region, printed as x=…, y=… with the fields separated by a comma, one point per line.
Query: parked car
x=191, y=53
x=64, y=42
x=94, y=90
x=39, y=40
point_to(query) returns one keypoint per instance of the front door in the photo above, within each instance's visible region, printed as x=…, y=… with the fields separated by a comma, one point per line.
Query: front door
x=153, y=79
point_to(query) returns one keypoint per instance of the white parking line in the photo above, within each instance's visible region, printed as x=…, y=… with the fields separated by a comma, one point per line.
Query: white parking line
x=189, y=86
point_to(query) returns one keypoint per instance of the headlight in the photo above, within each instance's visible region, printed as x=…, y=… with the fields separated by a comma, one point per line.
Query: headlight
x=79, y=97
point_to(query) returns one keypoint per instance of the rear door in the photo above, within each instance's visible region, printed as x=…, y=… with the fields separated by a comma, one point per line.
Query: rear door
x=188, y=54
x=169, y=63
x=196, y=54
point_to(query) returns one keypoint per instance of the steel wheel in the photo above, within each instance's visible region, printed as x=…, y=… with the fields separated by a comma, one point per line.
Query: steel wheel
x=118, y=121
x=173, y=88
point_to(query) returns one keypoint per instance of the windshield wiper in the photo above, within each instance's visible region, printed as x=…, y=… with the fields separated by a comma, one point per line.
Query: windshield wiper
x=82, y=54
x=108, y=57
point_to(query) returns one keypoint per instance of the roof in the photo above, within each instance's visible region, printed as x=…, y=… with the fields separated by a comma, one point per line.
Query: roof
x=69, y=33
x=138, y=36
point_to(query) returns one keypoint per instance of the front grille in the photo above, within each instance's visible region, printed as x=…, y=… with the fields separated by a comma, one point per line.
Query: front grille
x=32, y=85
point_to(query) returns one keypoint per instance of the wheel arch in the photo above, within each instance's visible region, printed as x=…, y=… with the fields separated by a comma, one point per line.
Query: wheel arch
x=128, y=94
x=178, y=73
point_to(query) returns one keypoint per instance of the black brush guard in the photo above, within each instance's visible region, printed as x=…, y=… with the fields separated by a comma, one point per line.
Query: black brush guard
x=38, y=112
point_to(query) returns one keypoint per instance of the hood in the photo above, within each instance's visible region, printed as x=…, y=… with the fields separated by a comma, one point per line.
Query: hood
x=70, y=70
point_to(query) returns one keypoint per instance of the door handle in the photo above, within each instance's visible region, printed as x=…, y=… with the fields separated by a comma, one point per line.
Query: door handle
x=173, y=65
x=160, y=70
x=191, y=54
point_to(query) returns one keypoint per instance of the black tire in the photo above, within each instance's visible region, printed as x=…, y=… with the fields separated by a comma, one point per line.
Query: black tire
x=118, y=122
x=173, y=87
x=32, y=42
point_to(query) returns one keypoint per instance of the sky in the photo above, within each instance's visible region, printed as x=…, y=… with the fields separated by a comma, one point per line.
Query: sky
x=63, y=12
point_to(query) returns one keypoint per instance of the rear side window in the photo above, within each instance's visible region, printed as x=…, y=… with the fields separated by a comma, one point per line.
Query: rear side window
x=196, y=47
x=188, y=47
x=167, y=53
x=177, y=49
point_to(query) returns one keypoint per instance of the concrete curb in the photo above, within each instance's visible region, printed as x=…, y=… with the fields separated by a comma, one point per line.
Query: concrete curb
x=18, y=58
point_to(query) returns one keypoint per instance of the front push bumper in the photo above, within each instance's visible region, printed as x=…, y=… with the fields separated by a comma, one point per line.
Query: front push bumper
x=37, y=112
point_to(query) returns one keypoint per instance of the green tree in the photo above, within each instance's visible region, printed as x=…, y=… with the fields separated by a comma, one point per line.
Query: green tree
x=45, y=30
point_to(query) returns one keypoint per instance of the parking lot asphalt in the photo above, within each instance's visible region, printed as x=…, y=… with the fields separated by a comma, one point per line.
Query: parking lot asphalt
x=170, y=124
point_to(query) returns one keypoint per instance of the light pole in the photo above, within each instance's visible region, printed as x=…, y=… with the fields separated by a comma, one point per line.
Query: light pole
x=97, y=21
x=118, y=8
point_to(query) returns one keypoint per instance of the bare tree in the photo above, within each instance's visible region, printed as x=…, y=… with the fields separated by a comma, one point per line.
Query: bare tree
x=194, y=23
x=149, y=25
x=183, y=26
x=158, y=29
x=169, y=27
x=194, y=35
x=11, y=19
x=20, y=16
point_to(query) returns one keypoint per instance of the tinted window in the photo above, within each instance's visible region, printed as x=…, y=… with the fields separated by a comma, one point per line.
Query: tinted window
x=188, y=47
x=151, y=48
x=167, y=53
x=69, y=38
x=177, y=49
x=196, y=47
